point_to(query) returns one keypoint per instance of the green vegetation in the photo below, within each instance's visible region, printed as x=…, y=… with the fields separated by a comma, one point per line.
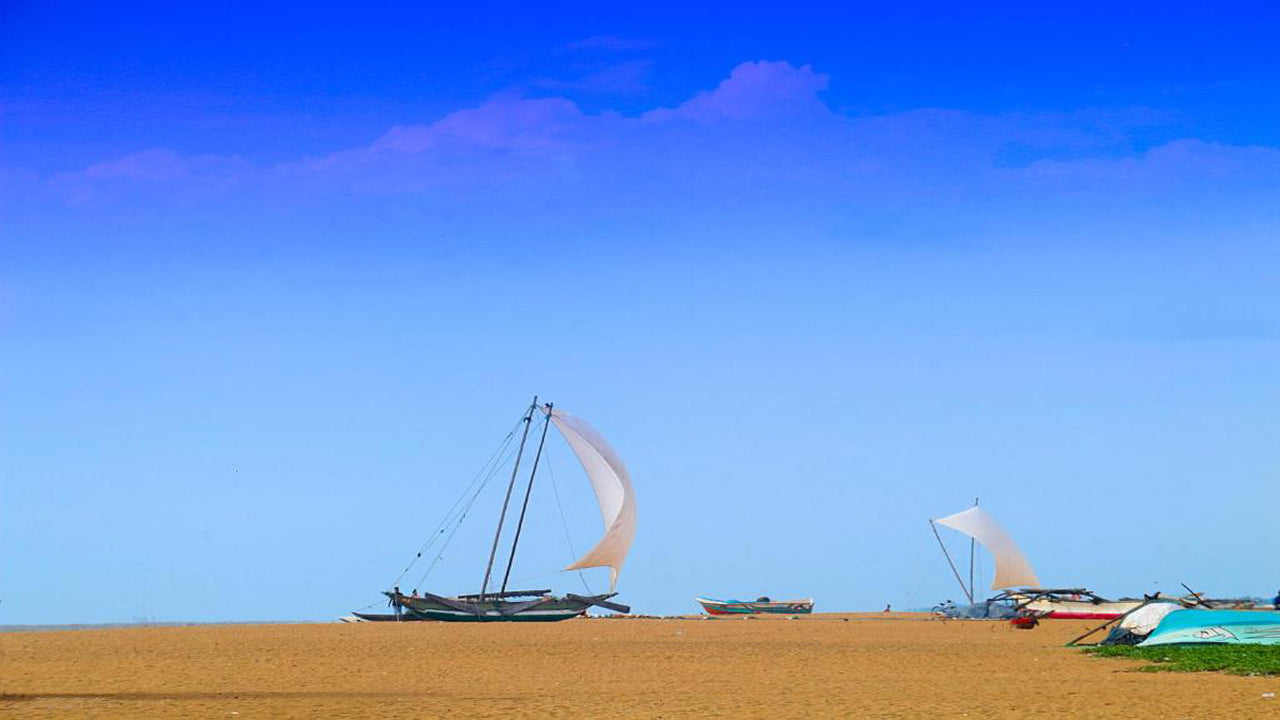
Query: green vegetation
x=1234, y=659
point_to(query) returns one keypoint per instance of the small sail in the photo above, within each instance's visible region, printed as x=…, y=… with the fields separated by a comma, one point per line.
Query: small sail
x=1012, y=568
x=613, y=491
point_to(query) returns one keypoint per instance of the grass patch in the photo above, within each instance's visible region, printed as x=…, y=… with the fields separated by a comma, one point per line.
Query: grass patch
x=1233, y=659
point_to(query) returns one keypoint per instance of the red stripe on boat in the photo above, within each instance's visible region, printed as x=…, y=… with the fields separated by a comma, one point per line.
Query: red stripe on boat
x=1063, y=615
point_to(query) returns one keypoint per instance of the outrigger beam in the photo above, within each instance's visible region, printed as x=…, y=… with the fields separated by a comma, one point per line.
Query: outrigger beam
x=601, y=600
x=521, y=607
x=505, y=595
x=455, y=604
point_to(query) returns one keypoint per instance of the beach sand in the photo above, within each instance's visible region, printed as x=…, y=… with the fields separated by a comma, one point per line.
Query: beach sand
x=865, y=666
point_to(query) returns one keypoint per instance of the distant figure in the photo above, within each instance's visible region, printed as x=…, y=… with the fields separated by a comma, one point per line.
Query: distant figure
x=887, y=608
x=1275, y=602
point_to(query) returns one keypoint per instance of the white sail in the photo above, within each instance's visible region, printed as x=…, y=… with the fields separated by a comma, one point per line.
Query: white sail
x=1012, y=568
x=613, y=491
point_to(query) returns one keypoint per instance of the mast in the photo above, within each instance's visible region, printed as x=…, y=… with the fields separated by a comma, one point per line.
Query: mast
x=960, y=580
x=493, y=551
x=972, y=549
x=546, y=424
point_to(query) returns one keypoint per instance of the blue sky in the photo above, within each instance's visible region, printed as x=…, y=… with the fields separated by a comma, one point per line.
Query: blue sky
x=273, y=284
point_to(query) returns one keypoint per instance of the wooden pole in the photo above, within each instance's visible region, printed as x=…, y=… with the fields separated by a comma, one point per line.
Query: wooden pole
x=527, y=492
x=972, y=551
x=1199, y=598
x=1103, y=625
x=953, y=565
x=493, y=551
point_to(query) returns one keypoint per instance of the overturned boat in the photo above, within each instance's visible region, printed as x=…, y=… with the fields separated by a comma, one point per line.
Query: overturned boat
x=1134, y=626
x=612, y=485
x=759, y=606
x=1216, y=627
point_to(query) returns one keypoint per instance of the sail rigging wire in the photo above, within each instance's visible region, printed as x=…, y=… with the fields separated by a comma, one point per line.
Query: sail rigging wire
x=539, y=577
x=461, y=517
x=455, y=515
x=564, y=522
x=927, y=575
x=486, y=472
x=445, y=545
x=981, y=578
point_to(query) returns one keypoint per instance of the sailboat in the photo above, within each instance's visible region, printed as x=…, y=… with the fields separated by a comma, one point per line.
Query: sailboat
x=495, y=602
x=1021, y=591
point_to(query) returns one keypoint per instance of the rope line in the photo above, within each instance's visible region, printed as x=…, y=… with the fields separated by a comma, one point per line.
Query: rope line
x=923, y=578
x=564, y=522
x=517, y=581
x=466, y=510
x=483, y=476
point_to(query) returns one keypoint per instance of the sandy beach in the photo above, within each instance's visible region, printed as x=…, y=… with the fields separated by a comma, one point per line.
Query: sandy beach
x=824, y=665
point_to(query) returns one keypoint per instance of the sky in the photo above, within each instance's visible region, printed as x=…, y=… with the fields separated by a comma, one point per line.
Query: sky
x=275, y=283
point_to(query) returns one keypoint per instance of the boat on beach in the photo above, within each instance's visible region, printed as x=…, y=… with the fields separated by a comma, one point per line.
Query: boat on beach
x=385, y=617
x=1198, y=626
x=1070, y=604
x=759, y=606
x=1020, y=592
x=515, y=606
x=495, y=602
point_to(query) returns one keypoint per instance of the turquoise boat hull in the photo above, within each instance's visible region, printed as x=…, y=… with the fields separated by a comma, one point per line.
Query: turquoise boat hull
x=1217, y=627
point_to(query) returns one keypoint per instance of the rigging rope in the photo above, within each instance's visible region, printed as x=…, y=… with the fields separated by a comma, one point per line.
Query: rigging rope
x=564, y=522
x=517, y=581
x=483, y=476
x=467, y=509
x=925, y=576
x=981, y=582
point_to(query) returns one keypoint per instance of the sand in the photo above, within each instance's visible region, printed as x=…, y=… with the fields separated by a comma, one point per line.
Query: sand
x=865, y=666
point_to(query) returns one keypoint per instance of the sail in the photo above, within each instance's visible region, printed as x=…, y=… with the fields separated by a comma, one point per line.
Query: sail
x=1012, y=568
x=612, y=484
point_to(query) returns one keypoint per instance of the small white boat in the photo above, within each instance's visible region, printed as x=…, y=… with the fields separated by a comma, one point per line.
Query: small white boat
x=759, y=606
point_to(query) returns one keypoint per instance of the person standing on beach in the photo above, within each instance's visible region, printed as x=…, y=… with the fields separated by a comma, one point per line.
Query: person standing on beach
x=1275, y=602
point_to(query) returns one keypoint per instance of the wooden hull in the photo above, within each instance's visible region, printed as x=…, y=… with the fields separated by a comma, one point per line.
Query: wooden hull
x=759, y=607
x=1080, y=609
x=546, y=608
x=386, y=617
x=1216, y=627
x=494, y=611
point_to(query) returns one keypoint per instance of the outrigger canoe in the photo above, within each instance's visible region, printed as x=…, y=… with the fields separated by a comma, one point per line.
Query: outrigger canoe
x=756, y=607
x=385, y=617
x=1070, y=604
x=612, y=485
